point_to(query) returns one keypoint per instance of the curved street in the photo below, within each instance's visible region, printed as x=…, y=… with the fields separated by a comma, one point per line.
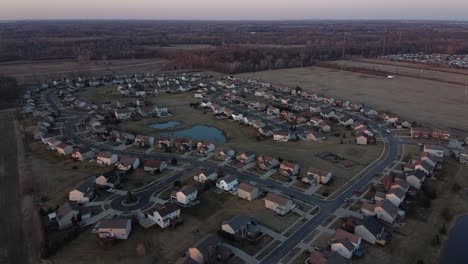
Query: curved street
x=327, y=207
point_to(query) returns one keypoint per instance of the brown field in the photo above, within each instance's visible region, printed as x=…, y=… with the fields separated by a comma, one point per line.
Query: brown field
x=36, y=71
x=416, y=71
x=426, y=101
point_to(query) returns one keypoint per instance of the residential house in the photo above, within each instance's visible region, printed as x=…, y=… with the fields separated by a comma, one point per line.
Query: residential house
x=315, y=136
x=84, y=192
x=205, y=175
x=108, y=179
x=114, y=228
x=415, y=178
x=211, y=250
x=154, y=166
x=371, y=230
x=246, y=157
x=65, y=213
x=82, y=154
x=344, y=243
x=322, y=257
x=281, y=136
x=400, y=184
x=425, y=166
x=105, y=158
x=419, y=132
x=247, y=191
x=186, y=195
x=289, y=169
x=128, y=163
x=53, y=142
x=435, y=150
x=318, y=176
x=226, y=154
x=183, y=144
x=217, y=109
x=164, y=143
x=441, y=134
x=364, y=139
x=324, y=127
x=64, y=149
x=144, y=141
x=123, y=114
x=396, y=196
x=228, y=183
x=279, y=204
x=266, y=162
x=266, y=131
x=205, y=147
x=327, y=113
x=165, y=215
x=346, y=120
x=240, y=227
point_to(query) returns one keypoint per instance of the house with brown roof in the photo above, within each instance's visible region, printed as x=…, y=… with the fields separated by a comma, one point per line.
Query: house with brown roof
x=114, y=228
x=210, y=250
x=82, y=154
x=127, y=163
x=318, y=176
x=183, y=144
x=289, y=169
x=420, y=132
x=247, y=191
x=144, y=141
x=246, y=157
x=266, y=162
x=84, y=192
x=441, y=134
x=344, y=243
x=106, y=158
x=164, y=215
x=154, y=166
x=322, y=257
x=279, y=204
x=65, y=213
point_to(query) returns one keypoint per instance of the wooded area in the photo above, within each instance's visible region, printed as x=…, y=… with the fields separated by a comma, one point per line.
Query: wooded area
x=10, y=92
x=229, y=46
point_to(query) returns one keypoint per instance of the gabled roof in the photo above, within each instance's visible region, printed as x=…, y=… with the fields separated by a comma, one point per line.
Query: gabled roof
x=229, y=178
x=341, y=234
x=238, y=221
x=153, y=163
x=246, y=187
x=397, y=192
x=116, y=223
x=372, y=225
x=66, y=208
x=278, y=199
x=167, y=209
x=188, y=189
x=388, y=207
x=105, y=154
x=416, y=173
x=86, y=184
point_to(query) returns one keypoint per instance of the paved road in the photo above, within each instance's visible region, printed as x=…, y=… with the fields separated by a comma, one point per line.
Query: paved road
x=327, y=207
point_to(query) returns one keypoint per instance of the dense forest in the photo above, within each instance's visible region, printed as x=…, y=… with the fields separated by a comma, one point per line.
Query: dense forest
x=228, y=46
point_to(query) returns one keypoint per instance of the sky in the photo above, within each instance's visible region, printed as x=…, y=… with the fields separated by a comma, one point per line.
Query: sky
x=234, y=9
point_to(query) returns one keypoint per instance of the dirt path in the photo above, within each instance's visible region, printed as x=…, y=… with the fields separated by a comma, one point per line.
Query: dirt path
x=17, y=210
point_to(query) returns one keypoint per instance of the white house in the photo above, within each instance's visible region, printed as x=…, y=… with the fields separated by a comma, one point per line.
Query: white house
x=246, y=157
x=319, y=176
x=396, y=196
x=281, y=136
x=82, y=154
x=108, y=179
x=247, y=191
x=437, y=151
x=415, y=178
x=123, y=115
x=154, y=166
x=228, y=183
x=186, y=195
x=371, y=230
x=163, y=216
x=115, y=228
x=345, y=243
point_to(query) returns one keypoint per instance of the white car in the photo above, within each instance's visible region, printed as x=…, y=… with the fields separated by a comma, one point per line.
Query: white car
x=388, y=131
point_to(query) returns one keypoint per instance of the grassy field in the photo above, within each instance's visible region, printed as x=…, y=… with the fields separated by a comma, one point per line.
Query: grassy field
x=165, y=246
x=414, y=241
x=426, y=101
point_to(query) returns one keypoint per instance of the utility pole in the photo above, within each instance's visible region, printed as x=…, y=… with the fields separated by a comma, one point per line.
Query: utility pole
x=344, y=44
x=466, y=91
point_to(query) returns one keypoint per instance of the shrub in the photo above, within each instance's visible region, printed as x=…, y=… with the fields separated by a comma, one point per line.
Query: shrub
x=446, y=214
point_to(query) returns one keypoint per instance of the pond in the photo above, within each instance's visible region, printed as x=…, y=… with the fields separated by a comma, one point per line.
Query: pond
x=199, y=133
x=165, y=125
x=454, y=250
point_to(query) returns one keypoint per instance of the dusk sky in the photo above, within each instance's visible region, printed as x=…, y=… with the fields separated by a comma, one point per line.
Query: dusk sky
x=234, y=9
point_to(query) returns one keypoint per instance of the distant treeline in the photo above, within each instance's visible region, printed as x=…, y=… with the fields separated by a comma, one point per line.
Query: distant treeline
x=235, y=46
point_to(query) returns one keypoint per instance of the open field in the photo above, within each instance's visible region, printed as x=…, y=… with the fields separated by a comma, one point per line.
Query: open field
x=435, y=74
x=422, y=100
x=165, y=246
x=36, y=71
